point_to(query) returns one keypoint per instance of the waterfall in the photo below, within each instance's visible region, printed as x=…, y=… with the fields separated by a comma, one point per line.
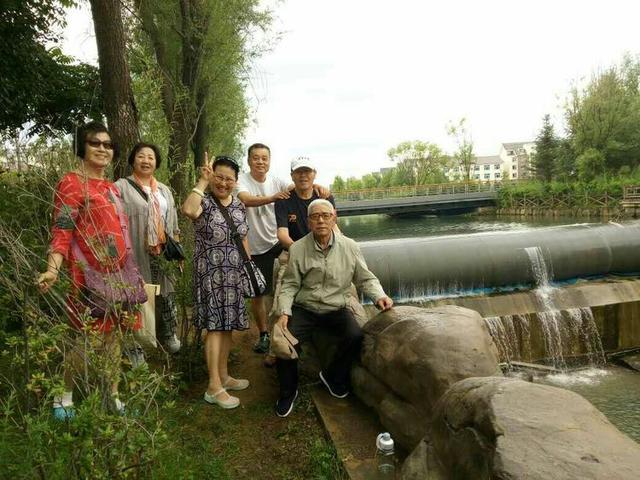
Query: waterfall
x=541, y=273
x=588, y=334
x=550, y=318
x=572, y=333
x=506, y=332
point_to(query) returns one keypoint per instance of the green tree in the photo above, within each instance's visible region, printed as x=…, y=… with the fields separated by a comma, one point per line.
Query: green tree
x=591, y=164
x=417, y=163
x=605, y=116
x=38, y=84
x=543, y=162
x=338, y=184
x=371, y=180
x=386, y=179
x=353, y=183
x=202, y=50
x=463, y=156
x=565, y=160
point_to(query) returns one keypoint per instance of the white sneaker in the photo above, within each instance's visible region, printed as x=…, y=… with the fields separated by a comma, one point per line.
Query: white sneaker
x=119, y=406
x=173, y=344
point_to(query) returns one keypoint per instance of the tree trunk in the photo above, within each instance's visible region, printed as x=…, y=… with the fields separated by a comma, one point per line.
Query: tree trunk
x=199, y=143
x=119, y=103
x=179, y=151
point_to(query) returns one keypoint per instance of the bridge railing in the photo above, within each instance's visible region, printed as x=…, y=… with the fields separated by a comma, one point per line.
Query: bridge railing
x=417, y=190
x=561, y=201
x=632, y=192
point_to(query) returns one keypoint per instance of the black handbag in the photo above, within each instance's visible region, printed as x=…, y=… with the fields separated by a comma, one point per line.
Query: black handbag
x=173, y=250
x=253, y=282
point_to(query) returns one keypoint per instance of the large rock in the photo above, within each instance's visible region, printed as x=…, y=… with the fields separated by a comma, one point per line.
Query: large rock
x=504, y=428
x=419, y=464
x=412, y=355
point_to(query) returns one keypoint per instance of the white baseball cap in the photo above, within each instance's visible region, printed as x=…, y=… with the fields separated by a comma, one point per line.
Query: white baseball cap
x=302, y=162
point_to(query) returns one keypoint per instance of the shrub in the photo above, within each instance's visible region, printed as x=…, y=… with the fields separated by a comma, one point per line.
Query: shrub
x=34, y=338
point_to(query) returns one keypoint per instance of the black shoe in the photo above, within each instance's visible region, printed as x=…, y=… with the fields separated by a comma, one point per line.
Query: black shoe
x=338, y=391
x=285, y=405
x=262, y=345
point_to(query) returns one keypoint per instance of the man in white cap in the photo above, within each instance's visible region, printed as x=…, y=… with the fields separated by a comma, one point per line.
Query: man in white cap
x=291, y=213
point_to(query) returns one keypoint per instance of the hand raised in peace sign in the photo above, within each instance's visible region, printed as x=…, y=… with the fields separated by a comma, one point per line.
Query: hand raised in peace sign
x=206, y=170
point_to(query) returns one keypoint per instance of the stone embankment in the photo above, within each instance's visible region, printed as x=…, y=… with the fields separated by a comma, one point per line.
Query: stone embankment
x=432, y=375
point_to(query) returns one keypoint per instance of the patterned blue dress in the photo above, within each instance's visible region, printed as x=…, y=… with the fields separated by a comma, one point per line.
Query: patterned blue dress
x=218, y=303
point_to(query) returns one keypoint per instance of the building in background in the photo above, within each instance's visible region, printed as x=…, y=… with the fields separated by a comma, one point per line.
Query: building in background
x=516, y=159
x=512, y=162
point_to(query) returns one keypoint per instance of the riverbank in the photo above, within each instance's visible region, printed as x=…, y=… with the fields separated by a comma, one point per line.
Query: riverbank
x=595, y=214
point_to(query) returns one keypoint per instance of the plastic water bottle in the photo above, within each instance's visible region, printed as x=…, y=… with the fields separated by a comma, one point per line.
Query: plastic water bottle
x=386, y=456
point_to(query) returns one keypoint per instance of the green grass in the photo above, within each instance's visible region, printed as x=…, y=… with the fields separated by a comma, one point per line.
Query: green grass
x=207, y=442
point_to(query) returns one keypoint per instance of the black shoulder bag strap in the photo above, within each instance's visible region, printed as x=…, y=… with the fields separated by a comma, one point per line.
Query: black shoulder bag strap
x=236, y=238
x=137, y=188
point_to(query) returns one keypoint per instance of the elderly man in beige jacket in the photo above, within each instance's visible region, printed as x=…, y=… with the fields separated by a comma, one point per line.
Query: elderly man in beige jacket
x=315, y=293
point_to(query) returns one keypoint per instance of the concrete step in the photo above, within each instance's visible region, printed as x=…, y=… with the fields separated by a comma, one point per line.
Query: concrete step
x=353, y=428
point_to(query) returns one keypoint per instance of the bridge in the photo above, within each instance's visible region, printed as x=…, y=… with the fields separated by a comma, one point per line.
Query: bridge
x=445, y=198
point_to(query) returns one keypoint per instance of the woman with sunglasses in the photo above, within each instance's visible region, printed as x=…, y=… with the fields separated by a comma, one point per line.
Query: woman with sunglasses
x=152, y=216
x=89, y=232
x=217, y=272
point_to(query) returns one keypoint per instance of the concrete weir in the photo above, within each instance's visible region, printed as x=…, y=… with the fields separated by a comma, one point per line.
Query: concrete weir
x=444, y=266
x=592, y=317
x=511, y=279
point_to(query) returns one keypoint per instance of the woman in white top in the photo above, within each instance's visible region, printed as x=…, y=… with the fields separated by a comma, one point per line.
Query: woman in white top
x=151, y=209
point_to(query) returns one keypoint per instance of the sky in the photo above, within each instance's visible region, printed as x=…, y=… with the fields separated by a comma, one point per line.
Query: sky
x=350, y=79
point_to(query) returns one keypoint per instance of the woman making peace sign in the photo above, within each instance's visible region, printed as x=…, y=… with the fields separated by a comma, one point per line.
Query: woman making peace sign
x=217, y=272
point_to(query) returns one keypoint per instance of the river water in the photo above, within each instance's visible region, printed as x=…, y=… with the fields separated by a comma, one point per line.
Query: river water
x=613, y=390
x=381, y=227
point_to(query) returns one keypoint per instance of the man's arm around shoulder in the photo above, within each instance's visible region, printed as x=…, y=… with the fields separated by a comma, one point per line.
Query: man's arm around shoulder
x=251, y=200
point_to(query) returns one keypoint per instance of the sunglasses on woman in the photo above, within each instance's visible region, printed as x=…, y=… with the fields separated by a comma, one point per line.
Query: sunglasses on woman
x=96, y=144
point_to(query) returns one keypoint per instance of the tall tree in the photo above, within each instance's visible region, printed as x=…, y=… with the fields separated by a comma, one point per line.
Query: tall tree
x=202, y=49
x=543, y=164
x=119, y=103
x=605, y=116
x=565, y=160
x=39, y=85
x=417, y=163
x=463, y=156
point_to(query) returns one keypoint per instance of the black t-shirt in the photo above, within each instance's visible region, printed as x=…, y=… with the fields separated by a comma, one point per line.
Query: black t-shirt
x=291, y=213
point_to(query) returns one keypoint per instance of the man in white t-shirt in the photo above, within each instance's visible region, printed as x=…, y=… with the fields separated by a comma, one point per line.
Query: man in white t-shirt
x=258, y=191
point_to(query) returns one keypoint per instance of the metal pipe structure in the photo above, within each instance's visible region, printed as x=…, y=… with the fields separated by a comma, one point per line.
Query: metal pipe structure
x=413, y=268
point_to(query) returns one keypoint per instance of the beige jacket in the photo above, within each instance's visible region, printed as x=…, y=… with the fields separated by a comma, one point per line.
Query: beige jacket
x=137, y=210
x=322, y=284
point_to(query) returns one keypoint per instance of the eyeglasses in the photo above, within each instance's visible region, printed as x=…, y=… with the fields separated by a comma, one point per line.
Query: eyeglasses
x=326, y=216
x=221, y=179
x=96, y=144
